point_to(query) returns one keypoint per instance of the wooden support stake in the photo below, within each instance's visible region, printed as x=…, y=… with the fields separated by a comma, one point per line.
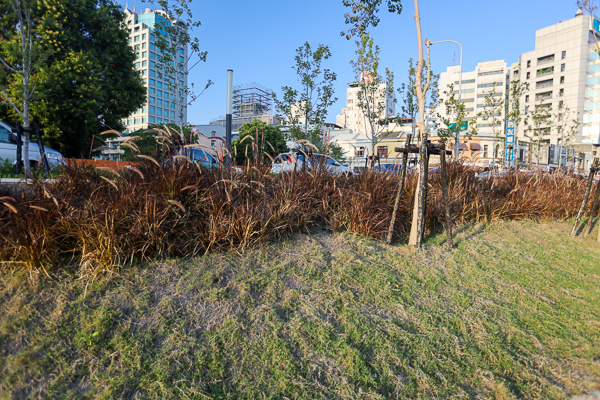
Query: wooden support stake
x=444, y=177
x=594, y=211
x=586, y=196
x=418, y=222
x=400, y=190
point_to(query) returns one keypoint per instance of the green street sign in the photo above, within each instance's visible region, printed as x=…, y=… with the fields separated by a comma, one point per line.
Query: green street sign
x=463, y=126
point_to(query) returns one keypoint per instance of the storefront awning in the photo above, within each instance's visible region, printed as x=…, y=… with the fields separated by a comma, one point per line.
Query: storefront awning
x=463, y=147
x=475, y=146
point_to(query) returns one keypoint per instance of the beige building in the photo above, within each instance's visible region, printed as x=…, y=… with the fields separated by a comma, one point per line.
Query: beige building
x=352, y=116
x=165, y=97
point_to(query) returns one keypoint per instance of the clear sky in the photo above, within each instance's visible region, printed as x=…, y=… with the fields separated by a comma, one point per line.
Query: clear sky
x=258, y=39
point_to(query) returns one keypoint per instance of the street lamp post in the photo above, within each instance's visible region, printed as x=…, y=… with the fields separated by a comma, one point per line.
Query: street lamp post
x=456, y=144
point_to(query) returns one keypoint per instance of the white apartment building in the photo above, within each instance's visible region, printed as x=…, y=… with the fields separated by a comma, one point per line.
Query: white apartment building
x=563, y=72
x=161, y=105
x=352, y=116
x=488, y=76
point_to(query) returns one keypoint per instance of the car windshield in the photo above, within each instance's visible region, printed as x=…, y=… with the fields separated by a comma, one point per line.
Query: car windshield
x=5, y=135
x=202, y=156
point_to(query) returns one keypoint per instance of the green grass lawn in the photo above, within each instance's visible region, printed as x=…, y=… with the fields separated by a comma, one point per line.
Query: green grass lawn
x=512, y=312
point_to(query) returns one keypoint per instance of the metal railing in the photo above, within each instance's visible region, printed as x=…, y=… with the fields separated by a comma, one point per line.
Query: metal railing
x=546, y=61
x=545, y=73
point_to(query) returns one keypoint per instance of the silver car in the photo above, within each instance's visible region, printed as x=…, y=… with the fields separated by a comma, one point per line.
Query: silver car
x=289, y=162
x=8, y=148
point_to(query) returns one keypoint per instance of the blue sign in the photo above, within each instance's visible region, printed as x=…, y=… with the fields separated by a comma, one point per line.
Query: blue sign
x=510, y=141
x=596, y=25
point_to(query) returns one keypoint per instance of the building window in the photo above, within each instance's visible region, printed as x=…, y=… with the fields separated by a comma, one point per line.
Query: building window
x=151, y=36
x=159, y=84
x=143, y=120
x=152, y=55
x=144, y=36
x=144, y=71
x=137, y=64
x=181, y=51
x=159, y=101
x=152, y=90
x=485, y=151
x=136, y=121
x=151, y=119
x=152, y=82
x=172, y=105
x=136, y=47
x=145, y=81
x=152, y=109
x=562, y=79
x=382, y=151
x=528, y=75
x=564, y=54
x=144, y=63
x=159, y=111
x=172, y=115
x=526, y=98
x=561, y=92
x=143, y=45
x=562, y=67
x=528, y=63
x=152, y=72
x=136, y=39
x=152, y=100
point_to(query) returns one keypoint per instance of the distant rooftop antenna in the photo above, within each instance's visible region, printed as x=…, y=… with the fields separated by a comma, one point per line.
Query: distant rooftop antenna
x=579, y=12
x=454, y=59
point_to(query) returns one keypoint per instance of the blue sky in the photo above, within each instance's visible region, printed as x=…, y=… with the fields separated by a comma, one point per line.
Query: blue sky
x=258, y=39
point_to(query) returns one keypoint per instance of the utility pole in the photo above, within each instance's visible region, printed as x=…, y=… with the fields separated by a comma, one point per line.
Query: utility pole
x=228, y=117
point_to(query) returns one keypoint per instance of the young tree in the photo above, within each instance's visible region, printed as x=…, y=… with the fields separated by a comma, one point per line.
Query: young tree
x=410, y=106
x=454, y=118
x=173, y=36
x=305, y=110
x=258, y=142
x=513, y=109
x=494, y=116
x=20, y=57
x=536, y=123
x=375, y=94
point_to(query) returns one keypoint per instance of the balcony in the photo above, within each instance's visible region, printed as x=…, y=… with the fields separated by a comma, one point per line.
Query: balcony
x=546, y=61
x=544, y=84
x=545, y=73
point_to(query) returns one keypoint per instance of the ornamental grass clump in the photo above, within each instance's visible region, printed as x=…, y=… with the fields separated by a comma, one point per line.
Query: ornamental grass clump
x=94, y=220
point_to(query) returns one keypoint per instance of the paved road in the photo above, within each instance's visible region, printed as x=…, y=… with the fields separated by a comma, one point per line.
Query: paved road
x=591, y=396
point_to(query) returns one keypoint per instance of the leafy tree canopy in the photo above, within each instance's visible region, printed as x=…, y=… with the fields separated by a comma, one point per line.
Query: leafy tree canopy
x=257, y=138
x=363, y=13
x=86, y=82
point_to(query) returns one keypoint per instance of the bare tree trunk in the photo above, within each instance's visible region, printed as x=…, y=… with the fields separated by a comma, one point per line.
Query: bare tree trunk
x=593, y=212
x=586, y=196
x=400, y=190
x=444, y=177
x=418, y=222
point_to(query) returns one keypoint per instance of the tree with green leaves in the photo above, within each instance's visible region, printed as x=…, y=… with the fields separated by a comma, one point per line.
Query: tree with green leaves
x=363, y=13
x=374, y=94
x=305, y=109
x=173, y=36
x=258, y=143
x=86, y=82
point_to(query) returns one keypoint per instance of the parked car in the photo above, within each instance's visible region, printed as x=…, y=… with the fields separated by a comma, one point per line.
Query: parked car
x=288, y=162
x=205, y=159
x=8, y=148
x=491, y=174
x=391, y=168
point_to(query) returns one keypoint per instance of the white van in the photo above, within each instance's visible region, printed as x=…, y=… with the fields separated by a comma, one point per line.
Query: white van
x=8, y=148
x=289, y=162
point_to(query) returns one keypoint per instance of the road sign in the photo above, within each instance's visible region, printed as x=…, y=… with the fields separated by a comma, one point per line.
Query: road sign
x=463, y=126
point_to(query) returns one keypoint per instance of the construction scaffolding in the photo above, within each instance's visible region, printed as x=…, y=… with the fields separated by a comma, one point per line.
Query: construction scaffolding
x=251, y=101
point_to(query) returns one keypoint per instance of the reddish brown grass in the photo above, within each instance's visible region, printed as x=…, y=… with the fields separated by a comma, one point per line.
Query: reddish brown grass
x=94, y=220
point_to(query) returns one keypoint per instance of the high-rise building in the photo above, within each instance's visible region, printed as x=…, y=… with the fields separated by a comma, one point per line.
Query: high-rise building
x=562, y=74
x=161, y=105
x=353, y=117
